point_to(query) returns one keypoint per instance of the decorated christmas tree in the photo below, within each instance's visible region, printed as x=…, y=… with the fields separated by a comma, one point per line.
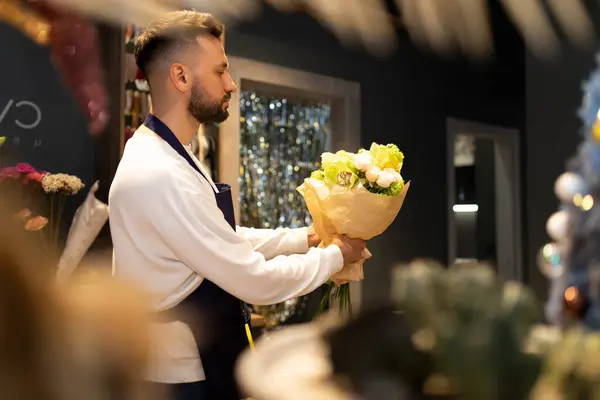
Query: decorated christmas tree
x=572, y=261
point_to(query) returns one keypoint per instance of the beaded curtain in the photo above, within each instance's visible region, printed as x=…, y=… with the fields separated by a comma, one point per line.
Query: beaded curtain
x=281, y=142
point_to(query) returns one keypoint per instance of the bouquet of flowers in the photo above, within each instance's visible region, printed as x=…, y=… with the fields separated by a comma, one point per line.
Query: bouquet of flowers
x=26, y=185
x=358, y=195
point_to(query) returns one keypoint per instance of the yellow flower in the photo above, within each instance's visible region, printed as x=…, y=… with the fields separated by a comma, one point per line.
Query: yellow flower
x=387, y=156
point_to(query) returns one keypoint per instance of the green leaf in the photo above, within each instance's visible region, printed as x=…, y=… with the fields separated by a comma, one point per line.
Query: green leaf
x=325, y=299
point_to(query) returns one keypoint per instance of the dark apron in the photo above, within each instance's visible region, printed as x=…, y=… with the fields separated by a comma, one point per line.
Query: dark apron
x=216, y=318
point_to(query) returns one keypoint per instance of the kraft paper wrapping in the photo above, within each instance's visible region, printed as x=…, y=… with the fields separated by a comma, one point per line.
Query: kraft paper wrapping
x=356, y=213
x=89, y=219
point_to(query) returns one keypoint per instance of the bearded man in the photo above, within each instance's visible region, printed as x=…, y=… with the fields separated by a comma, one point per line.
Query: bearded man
x=173, y=228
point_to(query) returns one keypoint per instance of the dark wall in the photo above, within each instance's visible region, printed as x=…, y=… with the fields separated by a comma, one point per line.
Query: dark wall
x=554, y=94
x=405, y=100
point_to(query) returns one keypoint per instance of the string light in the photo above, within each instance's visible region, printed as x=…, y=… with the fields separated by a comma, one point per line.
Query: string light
x=587, y=203
x=550, y=261
x=596, y=128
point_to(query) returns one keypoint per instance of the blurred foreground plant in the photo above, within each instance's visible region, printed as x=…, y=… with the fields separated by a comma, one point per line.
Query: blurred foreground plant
x=452, y=333
x=474, y=326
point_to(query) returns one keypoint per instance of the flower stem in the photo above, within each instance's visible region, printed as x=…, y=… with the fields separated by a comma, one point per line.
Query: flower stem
x=341, y=294
x=61, y=205
x=325, y=299
x=51, y=217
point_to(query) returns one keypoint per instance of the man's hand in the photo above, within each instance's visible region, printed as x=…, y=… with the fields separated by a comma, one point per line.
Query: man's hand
x=313, y=238
x=352, y=249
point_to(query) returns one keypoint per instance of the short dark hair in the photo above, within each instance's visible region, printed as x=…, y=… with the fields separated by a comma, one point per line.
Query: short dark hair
x=175, y=29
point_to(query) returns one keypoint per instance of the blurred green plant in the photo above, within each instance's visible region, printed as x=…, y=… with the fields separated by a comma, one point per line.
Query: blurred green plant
x=572, y=369
x=475, y=327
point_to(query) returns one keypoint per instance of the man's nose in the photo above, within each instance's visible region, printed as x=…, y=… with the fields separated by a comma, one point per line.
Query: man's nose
x=230, y=86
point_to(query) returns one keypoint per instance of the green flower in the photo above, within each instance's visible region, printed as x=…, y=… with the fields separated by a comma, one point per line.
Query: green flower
x=338, y=168
x=318, y=174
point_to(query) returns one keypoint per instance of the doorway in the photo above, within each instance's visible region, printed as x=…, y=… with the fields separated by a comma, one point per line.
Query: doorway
x=484, y=206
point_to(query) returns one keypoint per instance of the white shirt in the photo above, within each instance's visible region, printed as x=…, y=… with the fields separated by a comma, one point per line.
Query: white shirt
x=168, y=234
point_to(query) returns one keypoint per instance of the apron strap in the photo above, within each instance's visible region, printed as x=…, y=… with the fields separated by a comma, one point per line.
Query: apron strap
x=166, y=134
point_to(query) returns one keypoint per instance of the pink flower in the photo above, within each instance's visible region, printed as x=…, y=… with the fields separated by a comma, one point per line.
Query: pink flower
x=9, y=173
x=25, y=168
x=22, y=170
x=33, y=177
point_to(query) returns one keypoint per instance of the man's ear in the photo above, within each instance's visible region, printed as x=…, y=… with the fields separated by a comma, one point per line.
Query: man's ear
x=180, y=77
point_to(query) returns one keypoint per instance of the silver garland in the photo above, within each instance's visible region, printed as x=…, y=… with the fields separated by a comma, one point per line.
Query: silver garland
x=281, y=144
x=281, y=141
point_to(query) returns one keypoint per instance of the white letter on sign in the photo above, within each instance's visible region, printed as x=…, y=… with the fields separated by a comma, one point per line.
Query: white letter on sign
x=38, y=113
x=24, y=103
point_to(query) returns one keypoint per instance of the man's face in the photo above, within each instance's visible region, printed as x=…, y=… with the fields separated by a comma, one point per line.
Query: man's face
x=212, y=85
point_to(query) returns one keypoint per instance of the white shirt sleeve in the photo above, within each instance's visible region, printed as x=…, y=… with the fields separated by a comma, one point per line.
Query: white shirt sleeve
x=196, y=232
x=276, y=242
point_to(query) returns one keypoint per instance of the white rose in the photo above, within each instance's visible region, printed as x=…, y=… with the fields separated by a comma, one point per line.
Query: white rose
x=385, y=179
x=397, y=176
x=373, y=173
x=363, y=161
x=327, y=158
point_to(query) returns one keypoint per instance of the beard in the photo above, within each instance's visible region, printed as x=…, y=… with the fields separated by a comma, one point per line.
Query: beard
x=205, y=109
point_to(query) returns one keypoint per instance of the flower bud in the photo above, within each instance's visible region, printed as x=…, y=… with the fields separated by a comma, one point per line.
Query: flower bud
x=372, y=173
x=385, y=179
x=363, y=161
x=396, y=174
